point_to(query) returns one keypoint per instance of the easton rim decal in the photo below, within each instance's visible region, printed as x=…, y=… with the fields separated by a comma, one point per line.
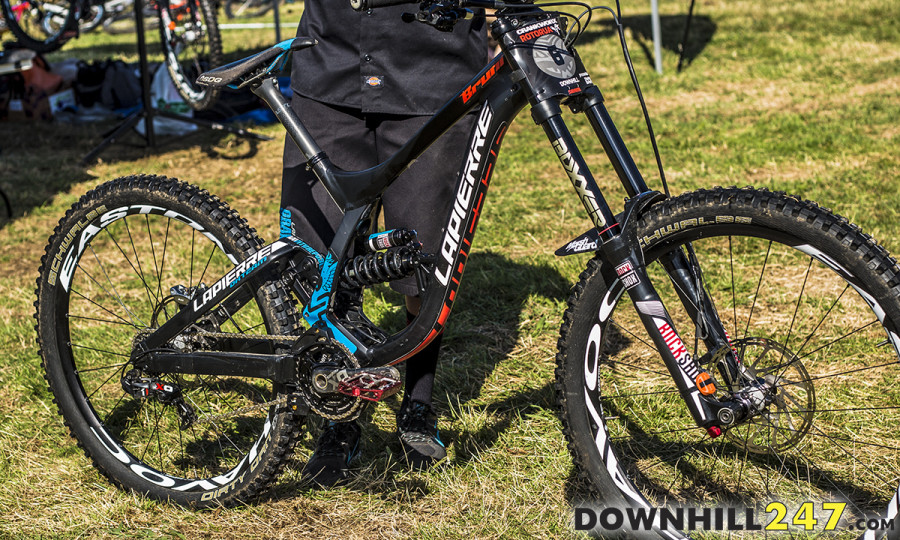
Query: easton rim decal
x=212, y=488
x=69, y=253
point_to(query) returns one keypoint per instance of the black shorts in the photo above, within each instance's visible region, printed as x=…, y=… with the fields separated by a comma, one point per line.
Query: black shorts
x=420, y=199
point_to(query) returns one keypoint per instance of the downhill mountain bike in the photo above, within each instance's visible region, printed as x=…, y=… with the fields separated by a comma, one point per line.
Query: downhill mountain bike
x=725, y=346
x=188, y=30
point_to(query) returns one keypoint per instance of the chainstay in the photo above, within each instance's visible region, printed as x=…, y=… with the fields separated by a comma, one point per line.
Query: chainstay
x=274, y=338
x=286, y=339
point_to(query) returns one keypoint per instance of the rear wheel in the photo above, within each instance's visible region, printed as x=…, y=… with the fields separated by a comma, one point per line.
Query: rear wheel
x=811, y=305
x=122, y=261
x=191, y=45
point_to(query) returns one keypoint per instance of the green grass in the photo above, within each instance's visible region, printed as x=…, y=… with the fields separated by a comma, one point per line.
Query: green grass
x=802, y=97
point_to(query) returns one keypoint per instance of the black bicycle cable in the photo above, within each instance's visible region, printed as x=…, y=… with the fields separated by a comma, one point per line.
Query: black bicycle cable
x=620, y=30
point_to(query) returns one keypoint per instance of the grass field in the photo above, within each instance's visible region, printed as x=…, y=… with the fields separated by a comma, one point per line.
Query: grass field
x=802, y=97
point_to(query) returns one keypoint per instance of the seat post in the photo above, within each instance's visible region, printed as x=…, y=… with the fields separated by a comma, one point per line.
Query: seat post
x=268, y=91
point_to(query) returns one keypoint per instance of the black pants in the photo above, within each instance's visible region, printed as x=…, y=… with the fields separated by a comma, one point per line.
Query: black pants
x=420, y=199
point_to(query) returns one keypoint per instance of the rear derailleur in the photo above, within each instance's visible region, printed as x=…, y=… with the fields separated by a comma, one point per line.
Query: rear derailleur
x=140, y=387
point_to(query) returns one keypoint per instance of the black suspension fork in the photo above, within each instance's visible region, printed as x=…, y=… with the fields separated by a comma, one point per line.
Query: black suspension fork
x=685, y=275
x=621, y=248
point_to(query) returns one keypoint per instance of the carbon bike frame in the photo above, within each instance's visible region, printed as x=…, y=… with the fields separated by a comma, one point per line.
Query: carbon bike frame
x=535, y=68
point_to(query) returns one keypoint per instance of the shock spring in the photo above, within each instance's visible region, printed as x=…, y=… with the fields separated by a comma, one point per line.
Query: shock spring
x=382, y=266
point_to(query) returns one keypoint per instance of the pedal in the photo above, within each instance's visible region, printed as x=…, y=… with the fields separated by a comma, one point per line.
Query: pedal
x=371, y=386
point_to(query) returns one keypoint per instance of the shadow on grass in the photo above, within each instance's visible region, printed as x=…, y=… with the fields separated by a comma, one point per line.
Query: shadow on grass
x=39, y=160
x=672, y=32
x=482, y=332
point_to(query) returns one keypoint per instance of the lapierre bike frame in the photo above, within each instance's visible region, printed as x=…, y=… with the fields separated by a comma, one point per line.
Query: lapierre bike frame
x=537, y=68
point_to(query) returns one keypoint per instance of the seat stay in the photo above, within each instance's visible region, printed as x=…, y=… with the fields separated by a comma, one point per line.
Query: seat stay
x=242, y=72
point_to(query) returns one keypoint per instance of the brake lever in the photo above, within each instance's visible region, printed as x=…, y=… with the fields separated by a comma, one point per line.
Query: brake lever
x=443, y=19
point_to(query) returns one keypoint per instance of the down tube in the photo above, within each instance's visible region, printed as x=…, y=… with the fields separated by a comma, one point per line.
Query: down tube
x=502, y=103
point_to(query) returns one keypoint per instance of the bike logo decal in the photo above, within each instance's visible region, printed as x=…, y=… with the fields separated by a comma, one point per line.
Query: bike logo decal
x=678, y=349
x=237, y=273
x=530, y=29
x=473, y=88
x=552, y=57
x=64, y=265
x=580, y=182
x=537, y=30
x=582, y=245
x=626, y=272
x=450, y=245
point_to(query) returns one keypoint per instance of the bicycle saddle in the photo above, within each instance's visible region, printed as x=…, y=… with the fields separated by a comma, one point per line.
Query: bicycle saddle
x=242, y=72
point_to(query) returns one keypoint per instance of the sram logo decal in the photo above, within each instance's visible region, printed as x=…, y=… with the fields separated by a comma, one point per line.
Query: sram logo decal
x=579, y=181
x=454, y=233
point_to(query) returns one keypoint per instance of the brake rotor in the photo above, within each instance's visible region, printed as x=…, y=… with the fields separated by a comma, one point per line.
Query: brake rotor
x=784, y=422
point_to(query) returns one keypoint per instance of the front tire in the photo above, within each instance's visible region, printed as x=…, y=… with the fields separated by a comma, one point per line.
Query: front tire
x=810, y=302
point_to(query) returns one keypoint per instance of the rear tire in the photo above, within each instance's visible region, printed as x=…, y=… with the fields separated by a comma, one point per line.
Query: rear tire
x=809, y=301
x=105, y=280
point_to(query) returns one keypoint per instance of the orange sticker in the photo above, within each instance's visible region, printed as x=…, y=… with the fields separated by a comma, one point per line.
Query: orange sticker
x=705, y=383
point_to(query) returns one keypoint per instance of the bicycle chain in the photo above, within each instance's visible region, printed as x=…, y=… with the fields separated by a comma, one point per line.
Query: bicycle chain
x=209, y=419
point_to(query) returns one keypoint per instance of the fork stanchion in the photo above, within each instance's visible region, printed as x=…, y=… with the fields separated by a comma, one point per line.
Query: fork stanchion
x=147, y=111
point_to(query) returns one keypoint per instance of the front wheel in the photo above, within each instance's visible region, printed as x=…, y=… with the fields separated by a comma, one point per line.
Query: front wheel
x=811, y=305
x=191, y=45
x=122, y=261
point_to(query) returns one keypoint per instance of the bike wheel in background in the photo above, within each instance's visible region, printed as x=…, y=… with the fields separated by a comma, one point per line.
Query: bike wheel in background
x=27, y=19
x=811, y=305
x=247, y=8
x=191, y=45
x=53, y=24
x=122, y=261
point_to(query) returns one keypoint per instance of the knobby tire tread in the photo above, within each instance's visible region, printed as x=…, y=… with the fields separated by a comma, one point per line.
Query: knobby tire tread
x=285, y=438
x=776, y=205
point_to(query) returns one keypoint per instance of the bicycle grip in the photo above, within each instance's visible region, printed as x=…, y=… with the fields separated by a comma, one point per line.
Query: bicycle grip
x=362, y=5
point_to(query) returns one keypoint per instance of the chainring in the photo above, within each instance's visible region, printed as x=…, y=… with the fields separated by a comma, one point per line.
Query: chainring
x=327, y=353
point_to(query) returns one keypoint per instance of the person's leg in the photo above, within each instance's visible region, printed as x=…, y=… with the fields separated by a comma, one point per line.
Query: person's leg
x=421, y=199
x=344, y=136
